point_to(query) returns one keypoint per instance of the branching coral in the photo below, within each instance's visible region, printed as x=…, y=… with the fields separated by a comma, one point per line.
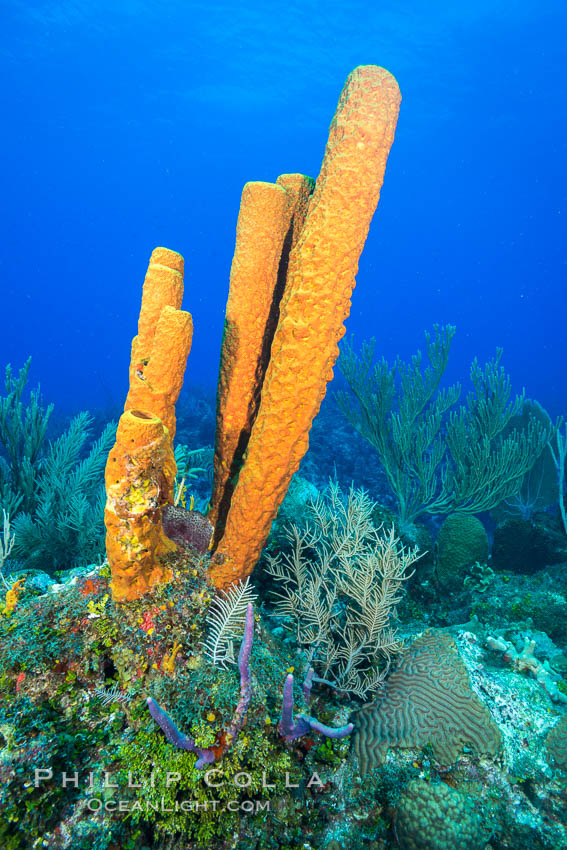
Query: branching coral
x=436, y=461
x=338, y=588
x=22, y=433
x=65, y=527
x=52, y=492
x=525, y=661
x=224, y=618
x=559, y=454
x=291, y=728
x=6, y=545
x=208, y=755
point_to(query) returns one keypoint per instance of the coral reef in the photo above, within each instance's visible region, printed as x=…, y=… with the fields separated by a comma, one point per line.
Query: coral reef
x=556, y=745
x=102, y=666
x=527, y=545
x=525, y=660
x=208, y=755
x=524, y=604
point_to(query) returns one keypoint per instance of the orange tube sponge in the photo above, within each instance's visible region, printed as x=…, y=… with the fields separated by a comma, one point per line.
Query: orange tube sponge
x=316, y=301
x=139, y=479
x=256, y=282
x=300, y=188
x=162, y=346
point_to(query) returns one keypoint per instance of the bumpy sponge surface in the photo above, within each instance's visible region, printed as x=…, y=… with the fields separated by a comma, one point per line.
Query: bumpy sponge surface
x=161, y=348
x=270, y=220
x=139, y=480
x=263, y=222
x=315, y=303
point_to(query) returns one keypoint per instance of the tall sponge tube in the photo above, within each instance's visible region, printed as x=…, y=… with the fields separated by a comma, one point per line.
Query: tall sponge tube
x=141, y=468
x=263, y=221
x=161, y=348
x=316, y=301
x=270, y=219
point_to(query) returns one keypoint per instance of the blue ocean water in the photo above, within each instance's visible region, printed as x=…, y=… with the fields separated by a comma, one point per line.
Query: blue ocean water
x=129, y=125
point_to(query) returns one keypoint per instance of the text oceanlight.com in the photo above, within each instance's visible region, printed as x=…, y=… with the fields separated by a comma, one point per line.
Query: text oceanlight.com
x=251, y=806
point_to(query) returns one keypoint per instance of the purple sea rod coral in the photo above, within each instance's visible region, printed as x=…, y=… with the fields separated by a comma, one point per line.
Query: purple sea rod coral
x=291, y=728
x=208, y=755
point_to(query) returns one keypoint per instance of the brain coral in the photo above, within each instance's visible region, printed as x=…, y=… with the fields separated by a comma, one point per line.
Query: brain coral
x=436, y=817
x=427, y=700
